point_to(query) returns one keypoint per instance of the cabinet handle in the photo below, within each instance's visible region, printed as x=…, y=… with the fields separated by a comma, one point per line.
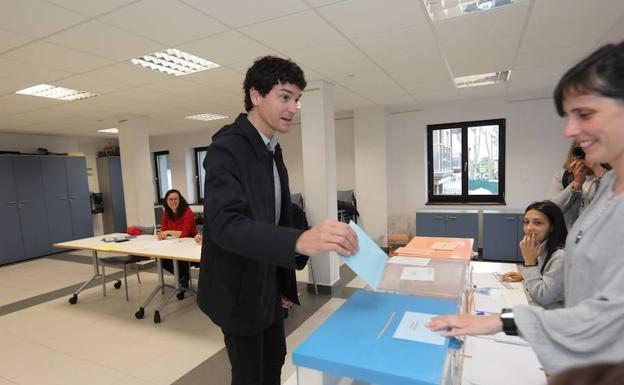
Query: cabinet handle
x=74, y=197
x=63, y=198
x=510, y=218
x=12, y=203
x=24, y=202
x=438, y=217
x=451, y=218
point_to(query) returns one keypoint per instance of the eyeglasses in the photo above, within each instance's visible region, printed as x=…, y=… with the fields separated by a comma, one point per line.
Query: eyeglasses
x=173, y=199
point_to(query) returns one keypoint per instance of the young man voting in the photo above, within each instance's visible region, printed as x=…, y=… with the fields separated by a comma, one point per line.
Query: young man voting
x=249, y=249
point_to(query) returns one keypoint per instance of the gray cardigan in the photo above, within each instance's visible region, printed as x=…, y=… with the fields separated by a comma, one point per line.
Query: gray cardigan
x=569, y=200
x=590, y=328
x=546, y=289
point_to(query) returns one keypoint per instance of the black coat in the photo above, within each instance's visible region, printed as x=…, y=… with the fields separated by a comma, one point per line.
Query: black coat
x=246, y=260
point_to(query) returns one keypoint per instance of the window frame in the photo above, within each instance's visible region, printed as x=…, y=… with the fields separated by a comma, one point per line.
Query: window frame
x=198, y=171
x=156, y=154
x=465, y=198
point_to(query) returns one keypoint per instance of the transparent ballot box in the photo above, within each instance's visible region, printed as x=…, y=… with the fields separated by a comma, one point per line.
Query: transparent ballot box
x=439, y=278
x=360, y=344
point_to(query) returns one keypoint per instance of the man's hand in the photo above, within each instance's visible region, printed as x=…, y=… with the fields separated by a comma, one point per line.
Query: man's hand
x=327, y=236
x=466, y=325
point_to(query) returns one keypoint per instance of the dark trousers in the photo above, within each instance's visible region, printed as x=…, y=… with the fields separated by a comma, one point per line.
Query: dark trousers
x=183, y=269
x=258, y=359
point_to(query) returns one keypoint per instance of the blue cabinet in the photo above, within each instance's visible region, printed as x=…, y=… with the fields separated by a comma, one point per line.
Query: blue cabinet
x=79, y=197
x=28, y=181
x=12, y=248
x=111, y=187
x=502, y=231
x=67, y=198
x=451, y=223
x=431, y=224
x=43, y=200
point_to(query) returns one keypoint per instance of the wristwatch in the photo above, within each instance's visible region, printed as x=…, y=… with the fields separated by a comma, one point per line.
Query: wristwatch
x=509, y=325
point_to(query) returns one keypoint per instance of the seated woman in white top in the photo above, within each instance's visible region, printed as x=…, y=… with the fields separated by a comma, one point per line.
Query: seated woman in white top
x=542, y=250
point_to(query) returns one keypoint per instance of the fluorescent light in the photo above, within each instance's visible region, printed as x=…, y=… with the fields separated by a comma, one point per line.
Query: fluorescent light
x=174, y=62
x=54, y=92
x=110, y=130
x=207, y=117
x=482, y=79
x=446, y=9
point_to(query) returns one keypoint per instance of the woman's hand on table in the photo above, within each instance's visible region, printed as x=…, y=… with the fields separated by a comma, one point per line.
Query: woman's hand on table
x=466, y=325
x=512, y=277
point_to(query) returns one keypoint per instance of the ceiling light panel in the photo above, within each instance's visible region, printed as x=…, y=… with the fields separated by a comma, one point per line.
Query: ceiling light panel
x=207, y=117
x=482, y=79
x=446, y=9
x=174, y=62
x=54, y=92
x=110, y=131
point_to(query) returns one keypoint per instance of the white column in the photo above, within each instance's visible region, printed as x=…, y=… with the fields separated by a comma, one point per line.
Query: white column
x=136, y=168
x=371, y=180
x=319, y=169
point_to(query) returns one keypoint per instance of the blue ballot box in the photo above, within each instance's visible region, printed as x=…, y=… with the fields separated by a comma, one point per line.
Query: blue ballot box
x=357, y=343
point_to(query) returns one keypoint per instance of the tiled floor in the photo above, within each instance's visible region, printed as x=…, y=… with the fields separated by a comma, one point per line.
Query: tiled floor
x=99, y=341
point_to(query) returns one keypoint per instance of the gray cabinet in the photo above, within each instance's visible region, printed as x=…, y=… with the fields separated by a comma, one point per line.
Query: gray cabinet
x=12, y=248
x=502, y=231
x=448, y=223
x=67, y=198
x=111, y=187
x=28, y=183
x=43, y=200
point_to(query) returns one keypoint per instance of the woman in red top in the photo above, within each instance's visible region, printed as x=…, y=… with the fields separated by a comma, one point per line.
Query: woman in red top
x=177, y=222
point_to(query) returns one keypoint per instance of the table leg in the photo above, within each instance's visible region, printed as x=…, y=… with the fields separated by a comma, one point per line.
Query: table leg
x=96, y=274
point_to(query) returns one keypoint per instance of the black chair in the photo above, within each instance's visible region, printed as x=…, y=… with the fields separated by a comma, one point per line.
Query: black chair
x=125, y=260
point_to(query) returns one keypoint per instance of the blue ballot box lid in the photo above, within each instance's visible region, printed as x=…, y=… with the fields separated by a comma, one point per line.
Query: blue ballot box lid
x=357, y=341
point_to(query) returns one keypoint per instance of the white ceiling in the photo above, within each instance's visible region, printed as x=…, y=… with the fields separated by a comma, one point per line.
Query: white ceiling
x=386, y=53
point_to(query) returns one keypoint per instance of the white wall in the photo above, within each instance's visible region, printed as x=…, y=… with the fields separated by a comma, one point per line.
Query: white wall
x=535, y=149
x=182, y=156
x=61, y=144
x=345, y=170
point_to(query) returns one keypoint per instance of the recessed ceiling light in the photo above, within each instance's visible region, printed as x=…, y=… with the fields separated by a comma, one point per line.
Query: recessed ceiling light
x=446, y=9
x=110, y=130
x=174, y=62
x=482, y=79
x=54, y=92
x=207, y=117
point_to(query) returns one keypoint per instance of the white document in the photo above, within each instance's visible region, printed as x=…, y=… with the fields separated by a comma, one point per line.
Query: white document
x=414, y=261
x=418, y=273
x=486, y=280
x=488, y=303
x=412, y=328
x=504, y=338
x=494, y=363
x=446, y=246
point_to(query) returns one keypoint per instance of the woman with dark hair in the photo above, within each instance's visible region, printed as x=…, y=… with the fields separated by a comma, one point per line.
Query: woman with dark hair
x=573, y=188
x=542, y=250
x=177, y=222
x=589, y=328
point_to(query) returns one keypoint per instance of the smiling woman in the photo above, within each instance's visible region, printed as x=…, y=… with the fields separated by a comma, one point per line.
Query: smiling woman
x=589, y=328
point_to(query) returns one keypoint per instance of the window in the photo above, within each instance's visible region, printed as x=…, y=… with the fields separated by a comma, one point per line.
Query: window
x=466, y=162
x=200, y=173
x=162, y=168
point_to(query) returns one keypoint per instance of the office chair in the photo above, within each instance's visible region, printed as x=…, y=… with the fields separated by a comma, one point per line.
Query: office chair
x=125, y=260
